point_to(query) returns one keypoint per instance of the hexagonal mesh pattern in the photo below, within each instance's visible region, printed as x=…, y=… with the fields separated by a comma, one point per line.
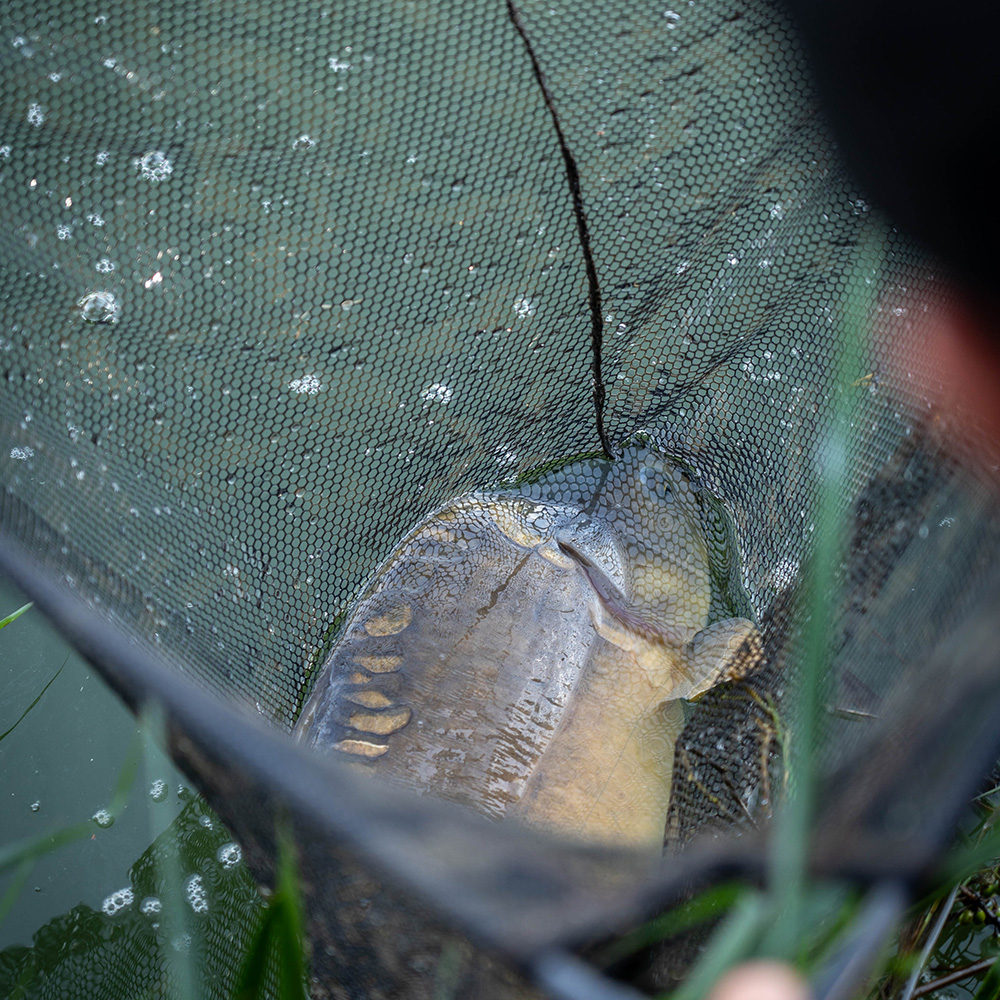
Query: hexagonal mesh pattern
x=279, y=279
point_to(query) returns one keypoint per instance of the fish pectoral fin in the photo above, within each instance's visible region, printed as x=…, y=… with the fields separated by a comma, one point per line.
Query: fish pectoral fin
x=725, y=651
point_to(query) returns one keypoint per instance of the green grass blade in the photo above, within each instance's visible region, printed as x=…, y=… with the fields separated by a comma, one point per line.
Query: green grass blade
x=280, y=936
x=34, y=847
x=15, y=614
x=794, y=817
x=15, y=887
x=38, y=698
x=735, y=940
x=707, y=905
x=291, y=925
x=178, y=925
x=990, y=988
x=251, y=976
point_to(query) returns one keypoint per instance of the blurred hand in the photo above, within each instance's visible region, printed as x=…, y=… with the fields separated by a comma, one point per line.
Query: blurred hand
x=760, y=979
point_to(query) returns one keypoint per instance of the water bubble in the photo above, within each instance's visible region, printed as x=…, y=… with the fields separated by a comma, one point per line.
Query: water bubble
x=117, y=901
x=100, y=307
x=524, y=307
x=229, y=855
x=35, y=115
x=158, y=790
x=105, y=265
x=337, y=65
x=304, y=141
x=437, y=393
x=21, y=453
x=308, y=385
x=197, y=897
x=150, y=906
x=35, y=806
x=154, y=166
x=103, y=818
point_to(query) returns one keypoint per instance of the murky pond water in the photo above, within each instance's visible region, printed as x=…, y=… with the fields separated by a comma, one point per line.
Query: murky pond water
x=60, y=765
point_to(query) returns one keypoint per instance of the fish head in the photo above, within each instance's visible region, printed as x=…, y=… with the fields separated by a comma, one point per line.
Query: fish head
x=655, y=507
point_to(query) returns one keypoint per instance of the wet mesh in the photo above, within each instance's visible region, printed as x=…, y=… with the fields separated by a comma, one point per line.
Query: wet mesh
x=280, y=279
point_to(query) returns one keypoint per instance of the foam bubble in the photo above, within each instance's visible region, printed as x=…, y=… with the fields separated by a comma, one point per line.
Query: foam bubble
x=197, y=897
x=229, y=855
x=103, y=818
x=154, y=166
x=118, y=901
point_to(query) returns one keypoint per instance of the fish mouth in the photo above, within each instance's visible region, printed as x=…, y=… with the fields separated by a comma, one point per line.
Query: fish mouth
x=614, y=601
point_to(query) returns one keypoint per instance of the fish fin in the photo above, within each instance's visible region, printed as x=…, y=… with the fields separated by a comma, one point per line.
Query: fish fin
x=724, y=651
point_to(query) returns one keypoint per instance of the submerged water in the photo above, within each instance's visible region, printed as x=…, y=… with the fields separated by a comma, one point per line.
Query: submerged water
x=60, y=765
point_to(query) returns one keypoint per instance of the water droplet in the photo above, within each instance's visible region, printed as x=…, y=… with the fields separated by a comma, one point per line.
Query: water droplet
x=99, y=307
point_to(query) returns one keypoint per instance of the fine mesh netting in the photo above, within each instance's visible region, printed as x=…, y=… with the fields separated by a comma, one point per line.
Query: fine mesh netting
x=281, y=280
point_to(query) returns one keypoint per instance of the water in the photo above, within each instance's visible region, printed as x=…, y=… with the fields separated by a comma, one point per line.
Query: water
x=59, y=767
